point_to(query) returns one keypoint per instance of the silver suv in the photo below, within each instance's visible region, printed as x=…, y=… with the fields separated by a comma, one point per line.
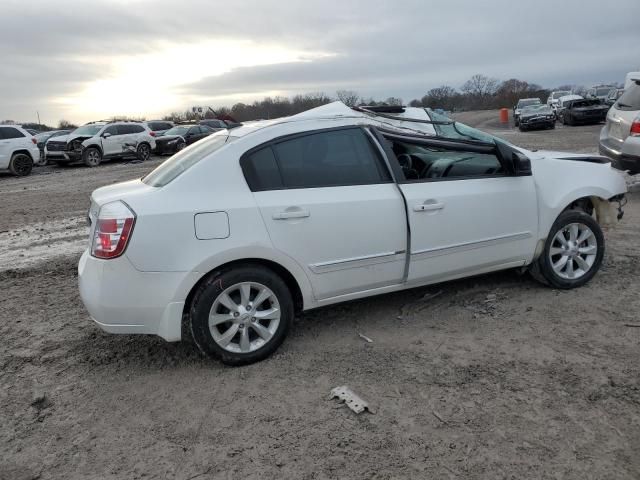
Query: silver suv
x=620, y=137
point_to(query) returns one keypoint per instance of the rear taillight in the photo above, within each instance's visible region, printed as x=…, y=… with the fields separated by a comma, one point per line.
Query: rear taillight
x=113, y=230
x=152, y=133
x=35, y=142
x=635, y=128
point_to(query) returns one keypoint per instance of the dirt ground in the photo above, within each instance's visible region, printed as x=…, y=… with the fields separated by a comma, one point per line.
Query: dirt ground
x=495, y=377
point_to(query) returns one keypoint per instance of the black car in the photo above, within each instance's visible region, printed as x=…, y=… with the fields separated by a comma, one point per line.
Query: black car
x=584, y=111
x=178, y=137
x=536, y=117
x=217, y=124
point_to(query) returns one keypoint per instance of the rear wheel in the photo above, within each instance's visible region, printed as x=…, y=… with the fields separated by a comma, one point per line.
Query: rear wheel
x=21, y=164
x=143, y=152
x=573, y=251
x=92, y=157
x=180, y=146
x=242, y=315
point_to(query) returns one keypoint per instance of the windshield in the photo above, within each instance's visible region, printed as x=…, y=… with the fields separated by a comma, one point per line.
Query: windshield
x=601, y=92
x=528, y=101
x=457, y=130
x=557, y=95
x=536, y=109
x=87, y=130
x=185, y=159
x=178, y=130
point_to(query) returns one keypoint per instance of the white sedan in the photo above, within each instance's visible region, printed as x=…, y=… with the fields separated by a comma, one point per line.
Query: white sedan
x=238, y=232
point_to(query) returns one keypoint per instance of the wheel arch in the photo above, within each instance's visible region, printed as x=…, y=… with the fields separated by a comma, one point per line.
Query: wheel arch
x=24, y=152
x=293, y=282
x=94, y=145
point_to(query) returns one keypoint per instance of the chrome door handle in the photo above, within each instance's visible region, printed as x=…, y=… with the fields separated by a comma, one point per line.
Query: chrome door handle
x=428, y=207
x=287, y=214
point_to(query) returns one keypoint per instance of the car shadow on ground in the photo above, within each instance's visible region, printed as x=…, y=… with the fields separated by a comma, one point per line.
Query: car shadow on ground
x=96, y=349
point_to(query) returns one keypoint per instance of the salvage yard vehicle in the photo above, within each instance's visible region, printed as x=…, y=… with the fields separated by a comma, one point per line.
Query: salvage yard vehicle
x=536, y=117
x=158, y=127
x=554, y=97
x=523, y=102
x=181, y=136
x=41, y=140
x=583, y=111
x=238, y=232
x=18, y=150
x=620, y=137
x=599, y=92
x=97, y=141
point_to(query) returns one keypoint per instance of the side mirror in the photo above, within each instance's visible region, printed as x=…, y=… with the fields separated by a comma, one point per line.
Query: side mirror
x=106, y=135
x=521, y=164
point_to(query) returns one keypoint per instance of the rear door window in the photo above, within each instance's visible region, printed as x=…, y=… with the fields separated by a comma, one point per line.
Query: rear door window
x=10, y=132
x=326, y=159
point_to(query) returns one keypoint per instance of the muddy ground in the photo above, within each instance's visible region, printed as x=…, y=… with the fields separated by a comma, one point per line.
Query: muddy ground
x=494, y=377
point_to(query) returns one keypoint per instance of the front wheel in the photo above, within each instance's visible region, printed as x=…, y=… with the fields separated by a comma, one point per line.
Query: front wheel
x=573, y=251
x=242, y=315
x=92, y=157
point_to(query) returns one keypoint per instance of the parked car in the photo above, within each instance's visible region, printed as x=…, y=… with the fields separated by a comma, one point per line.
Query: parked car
x=536, y=117
x=600, y=92
x=181, y=136
x=561, y=104
x=251, y=225
x=217, y=124
x=620, y=137
x=42, y=138
x=613, y=96
x=523, y=102
x=32, y=131
x=583, y=111
x=159, y=127
x=97, y=141
x=554, y=97
x=18, y=150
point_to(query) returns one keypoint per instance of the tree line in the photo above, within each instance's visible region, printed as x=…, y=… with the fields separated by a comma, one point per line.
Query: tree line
x=480, y=92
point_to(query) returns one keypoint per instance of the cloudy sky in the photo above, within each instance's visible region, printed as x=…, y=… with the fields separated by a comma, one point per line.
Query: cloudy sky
x=82, y=60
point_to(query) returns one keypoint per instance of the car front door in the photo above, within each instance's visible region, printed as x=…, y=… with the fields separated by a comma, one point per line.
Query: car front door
x=5, y=149
x=328, y=202
x=467, y=213
x=112, y=140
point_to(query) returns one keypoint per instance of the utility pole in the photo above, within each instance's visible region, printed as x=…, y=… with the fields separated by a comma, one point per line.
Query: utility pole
x=38, y=113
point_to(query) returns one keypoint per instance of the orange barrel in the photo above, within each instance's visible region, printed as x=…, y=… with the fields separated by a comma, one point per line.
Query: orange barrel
x=504, y=115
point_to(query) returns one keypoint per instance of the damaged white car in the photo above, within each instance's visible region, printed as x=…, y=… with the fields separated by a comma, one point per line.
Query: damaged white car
x=238, y=232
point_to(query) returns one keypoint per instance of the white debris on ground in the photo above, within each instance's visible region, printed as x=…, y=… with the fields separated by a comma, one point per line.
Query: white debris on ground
x=37, y=242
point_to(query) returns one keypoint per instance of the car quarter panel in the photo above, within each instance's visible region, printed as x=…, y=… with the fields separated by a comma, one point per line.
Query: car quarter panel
x=560, y=182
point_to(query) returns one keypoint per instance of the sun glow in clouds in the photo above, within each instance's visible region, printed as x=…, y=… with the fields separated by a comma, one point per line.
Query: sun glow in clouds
x=149, y=83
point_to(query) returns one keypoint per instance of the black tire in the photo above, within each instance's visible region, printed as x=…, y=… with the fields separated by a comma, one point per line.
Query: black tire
x=143, y=152
x=569, y=121
x=552, y=126
x=515, y=121
x=542, y=269
x=92, y=157
x=521, y=128
x=21, y=164
x=213, y=287
x=180, y=146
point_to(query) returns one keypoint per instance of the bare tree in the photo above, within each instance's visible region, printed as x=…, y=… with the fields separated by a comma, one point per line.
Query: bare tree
x=480, y=86
x=395, y=101
x=415, y=103
x=348, y=97
x=66, y=125
x=440, y=97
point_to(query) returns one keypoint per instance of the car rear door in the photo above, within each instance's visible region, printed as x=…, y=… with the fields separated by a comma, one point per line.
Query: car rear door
x=328, y=202
x=467, y=213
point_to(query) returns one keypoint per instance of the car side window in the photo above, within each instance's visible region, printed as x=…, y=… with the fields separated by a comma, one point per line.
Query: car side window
x=7, y=133
x=261, y=170
x=112, y=129
x=135, y=128
x=420, y=163
x=326, y=159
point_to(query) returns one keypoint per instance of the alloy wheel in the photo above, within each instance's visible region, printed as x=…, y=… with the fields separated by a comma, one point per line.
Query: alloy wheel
x=93, y=157
x=573, y=251
x=22, y=165
x=143, y=152
x=244, y=317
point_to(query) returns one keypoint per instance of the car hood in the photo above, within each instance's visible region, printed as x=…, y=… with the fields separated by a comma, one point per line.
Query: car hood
x=61, y=138
x=166, y=138
x=591, y=107
x=535, y=114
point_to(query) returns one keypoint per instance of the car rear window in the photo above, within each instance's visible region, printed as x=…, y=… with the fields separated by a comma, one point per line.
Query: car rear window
x=630, y=99
x=184, y=160
x=10, y=132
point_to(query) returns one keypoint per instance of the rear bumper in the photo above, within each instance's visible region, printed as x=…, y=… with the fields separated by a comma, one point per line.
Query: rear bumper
x=619, y=159
x=121, y=299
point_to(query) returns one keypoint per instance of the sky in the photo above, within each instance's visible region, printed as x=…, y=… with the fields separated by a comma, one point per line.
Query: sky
x=84, y=60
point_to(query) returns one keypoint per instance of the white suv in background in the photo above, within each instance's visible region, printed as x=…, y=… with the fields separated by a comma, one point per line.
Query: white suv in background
x=18, y=150
x=97, y=141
